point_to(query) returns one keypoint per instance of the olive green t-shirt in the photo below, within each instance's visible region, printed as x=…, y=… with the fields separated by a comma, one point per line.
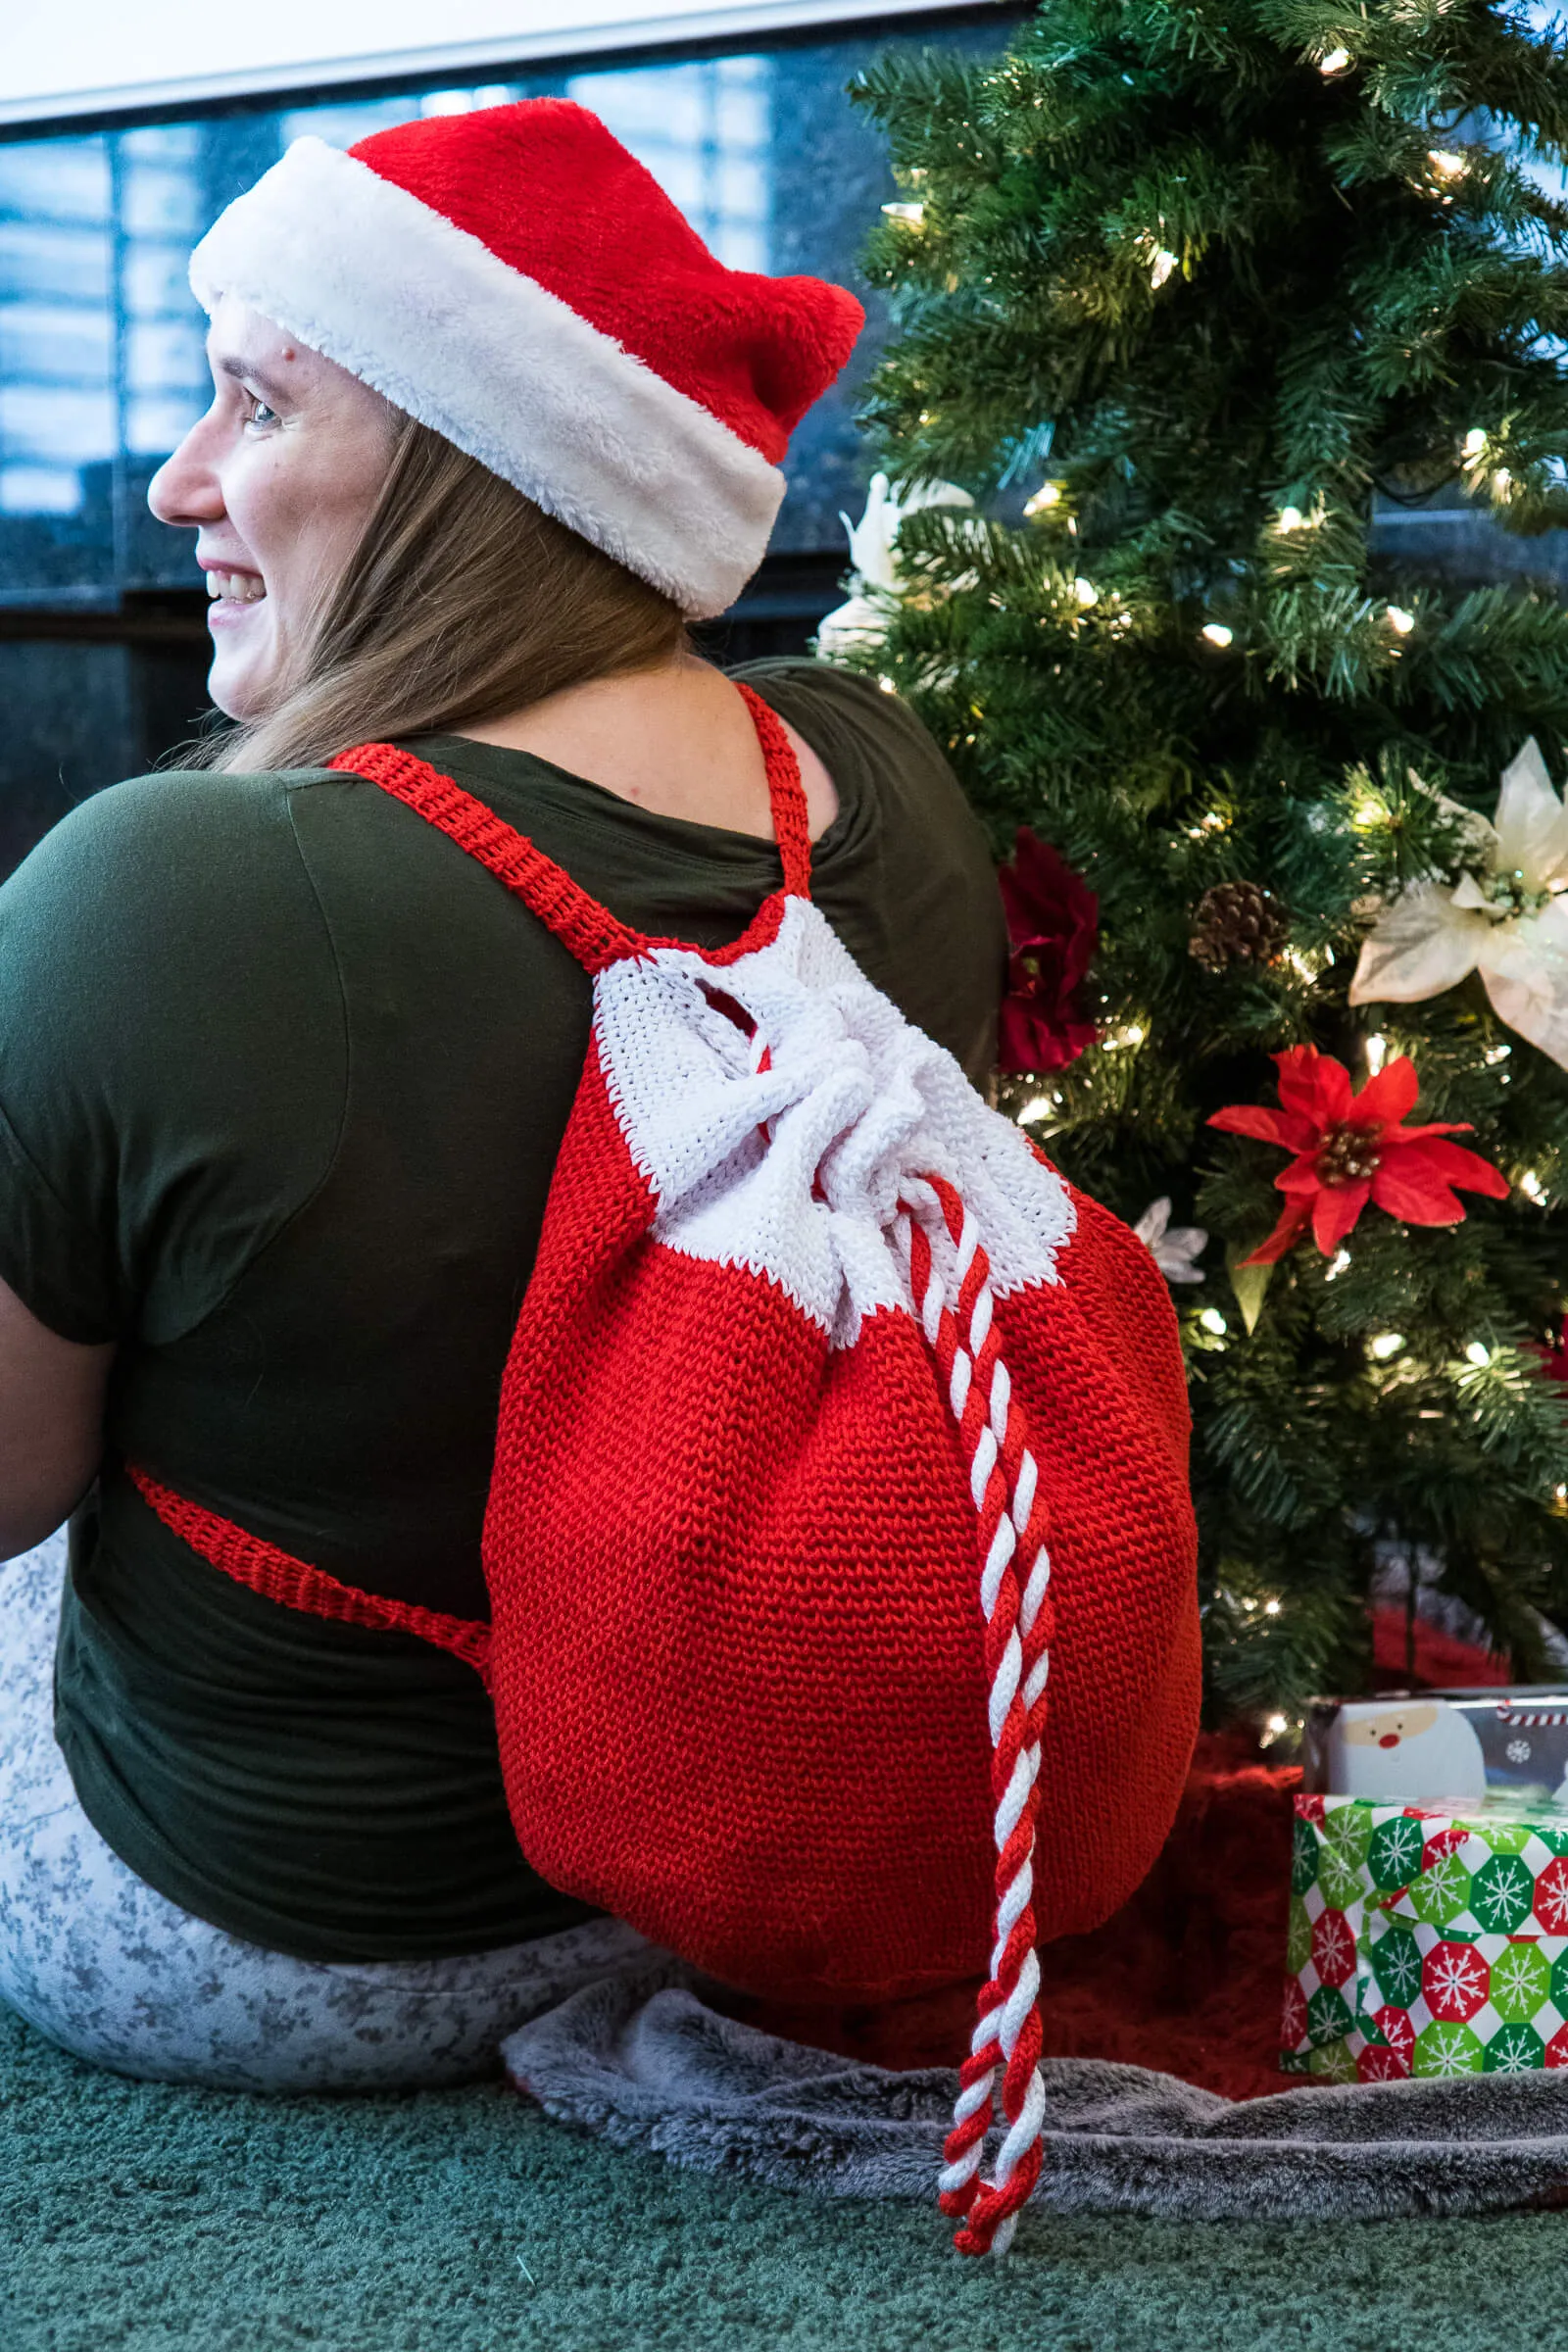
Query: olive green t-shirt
x=282, y=1079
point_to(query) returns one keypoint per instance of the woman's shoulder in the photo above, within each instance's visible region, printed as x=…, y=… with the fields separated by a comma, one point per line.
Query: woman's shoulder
x=877, y=751
x=860, y=707
x=869, y=740
x=174, y=889
x=906, y=874
x=157, y=851
x=168, y=831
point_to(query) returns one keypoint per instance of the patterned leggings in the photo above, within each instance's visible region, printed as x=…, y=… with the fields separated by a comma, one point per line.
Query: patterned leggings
x=108, y=1969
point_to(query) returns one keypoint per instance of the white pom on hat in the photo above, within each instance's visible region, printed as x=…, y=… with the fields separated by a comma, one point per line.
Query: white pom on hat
x=517, y=281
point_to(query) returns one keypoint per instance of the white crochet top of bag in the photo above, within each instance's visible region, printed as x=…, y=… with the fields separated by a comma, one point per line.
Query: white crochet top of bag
x=797, y=1170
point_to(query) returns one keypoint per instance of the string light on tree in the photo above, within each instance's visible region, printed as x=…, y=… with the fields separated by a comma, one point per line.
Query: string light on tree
x=1337, y=705
x=912, y=215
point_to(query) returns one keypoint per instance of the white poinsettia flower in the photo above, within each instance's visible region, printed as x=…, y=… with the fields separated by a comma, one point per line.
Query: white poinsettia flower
x=1506, y=919
x=1174, y=1249
x=874, y=539
x=874, y=554
x=849, y=627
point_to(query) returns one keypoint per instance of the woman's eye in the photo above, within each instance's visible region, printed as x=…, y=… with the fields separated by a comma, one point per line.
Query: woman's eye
x=259, y=412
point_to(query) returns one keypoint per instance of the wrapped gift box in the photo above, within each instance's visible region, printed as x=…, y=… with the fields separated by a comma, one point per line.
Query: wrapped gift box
x=1434, y=1747
x=1424, y=1943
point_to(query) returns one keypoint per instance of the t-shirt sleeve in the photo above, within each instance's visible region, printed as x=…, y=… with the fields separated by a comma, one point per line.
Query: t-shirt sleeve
x=172, y=1055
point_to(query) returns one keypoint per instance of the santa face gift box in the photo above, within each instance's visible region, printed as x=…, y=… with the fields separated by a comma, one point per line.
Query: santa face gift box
x=1462, y=1746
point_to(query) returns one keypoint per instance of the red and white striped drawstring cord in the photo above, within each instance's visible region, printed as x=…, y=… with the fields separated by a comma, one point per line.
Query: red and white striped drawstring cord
x=957, y=1314
x=953, y=1292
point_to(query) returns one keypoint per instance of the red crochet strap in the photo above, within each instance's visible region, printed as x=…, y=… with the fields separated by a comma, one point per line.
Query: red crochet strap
x=590, y=931
x=298, y=1586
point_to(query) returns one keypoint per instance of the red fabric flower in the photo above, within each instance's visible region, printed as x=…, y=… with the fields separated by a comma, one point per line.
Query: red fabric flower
x=1054, y=930
x=1352, y=1148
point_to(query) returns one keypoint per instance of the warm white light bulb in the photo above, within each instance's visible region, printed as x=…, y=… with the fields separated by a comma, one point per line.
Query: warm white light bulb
x=1475, y=441
x=1501, y=482
x=1478, y=1354
x=1531, y=1186
x=1212, y=1320
x=1446, y=164
x=1400, y=620
x=1218, y=634
x=1384, y=1344
x=1049, y=494
x=1291, y=518
x=1086, y=592
x=1336, y=61
x=1376, y=1053
x=1271, y=1609
x=1038, y=1107
x=1160, y=268
x=1340, y=1265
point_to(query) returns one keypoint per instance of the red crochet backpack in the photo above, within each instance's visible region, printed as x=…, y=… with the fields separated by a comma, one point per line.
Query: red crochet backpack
x=833, y=1419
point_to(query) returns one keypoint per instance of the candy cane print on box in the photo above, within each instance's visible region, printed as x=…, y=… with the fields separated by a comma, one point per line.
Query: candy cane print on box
x=844, y=1630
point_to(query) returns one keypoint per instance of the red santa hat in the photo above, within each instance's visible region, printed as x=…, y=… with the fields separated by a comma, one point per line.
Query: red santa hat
x=517, y=281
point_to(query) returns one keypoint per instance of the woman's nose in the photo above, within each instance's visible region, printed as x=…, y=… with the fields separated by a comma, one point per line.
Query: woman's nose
x=185, y=488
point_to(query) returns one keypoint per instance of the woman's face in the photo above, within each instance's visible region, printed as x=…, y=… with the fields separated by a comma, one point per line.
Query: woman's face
x=278, y=480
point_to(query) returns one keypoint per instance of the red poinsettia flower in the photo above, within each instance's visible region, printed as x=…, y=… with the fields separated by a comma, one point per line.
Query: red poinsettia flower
x=1054, y=930
x=1352, y=1149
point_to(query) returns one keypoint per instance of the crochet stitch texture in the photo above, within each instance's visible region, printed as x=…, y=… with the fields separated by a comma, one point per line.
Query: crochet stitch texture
x=841, y=1563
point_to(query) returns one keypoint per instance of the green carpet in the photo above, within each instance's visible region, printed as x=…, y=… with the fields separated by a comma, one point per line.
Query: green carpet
x=173, y=2221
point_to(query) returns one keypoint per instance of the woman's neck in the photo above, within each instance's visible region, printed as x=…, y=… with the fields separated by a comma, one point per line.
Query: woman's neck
x=677, y=740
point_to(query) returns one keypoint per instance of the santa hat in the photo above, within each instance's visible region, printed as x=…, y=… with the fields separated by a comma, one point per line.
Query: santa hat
x=517, y=281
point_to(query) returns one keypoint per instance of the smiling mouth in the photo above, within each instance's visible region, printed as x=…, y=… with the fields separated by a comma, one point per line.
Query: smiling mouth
x=236, y=587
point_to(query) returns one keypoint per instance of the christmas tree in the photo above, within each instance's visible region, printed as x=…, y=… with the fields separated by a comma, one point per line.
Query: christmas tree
x=1185, y=298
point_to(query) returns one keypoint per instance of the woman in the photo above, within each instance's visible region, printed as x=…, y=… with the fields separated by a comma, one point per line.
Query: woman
x=282, y=1076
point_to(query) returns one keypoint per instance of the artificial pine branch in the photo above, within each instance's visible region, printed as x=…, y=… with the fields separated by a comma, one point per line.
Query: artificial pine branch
x=1221, y=280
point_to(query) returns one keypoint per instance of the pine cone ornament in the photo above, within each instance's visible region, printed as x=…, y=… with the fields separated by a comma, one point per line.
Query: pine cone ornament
x=1237, y=922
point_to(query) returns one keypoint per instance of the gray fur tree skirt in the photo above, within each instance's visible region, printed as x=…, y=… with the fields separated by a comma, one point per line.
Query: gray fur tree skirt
x=640, y=2060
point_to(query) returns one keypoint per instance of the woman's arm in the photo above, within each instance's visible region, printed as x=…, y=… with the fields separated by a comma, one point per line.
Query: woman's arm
x=51, y=1424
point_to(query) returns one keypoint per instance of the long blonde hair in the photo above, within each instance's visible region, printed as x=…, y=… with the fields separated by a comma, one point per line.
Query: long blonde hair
x=462, y=600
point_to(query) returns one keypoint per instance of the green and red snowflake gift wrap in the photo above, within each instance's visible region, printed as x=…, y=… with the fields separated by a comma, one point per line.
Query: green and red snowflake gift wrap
x=1424, y=1943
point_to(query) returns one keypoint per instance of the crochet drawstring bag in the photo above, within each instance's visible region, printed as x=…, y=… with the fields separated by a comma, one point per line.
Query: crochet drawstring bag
x=843, y=1630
